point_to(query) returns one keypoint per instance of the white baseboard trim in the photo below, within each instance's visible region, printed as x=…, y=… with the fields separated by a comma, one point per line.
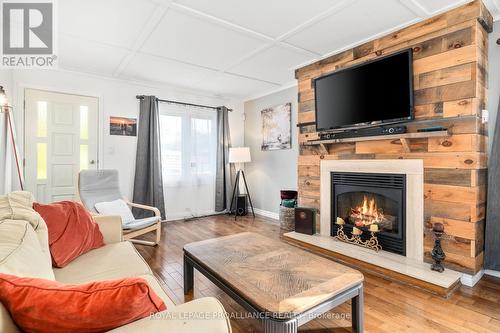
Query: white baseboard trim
x=266, y=213
x=471, y=280
x=492, y=273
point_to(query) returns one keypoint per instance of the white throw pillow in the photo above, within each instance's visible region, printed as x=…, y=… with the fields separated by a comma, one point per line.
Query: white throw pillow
x=117, y=207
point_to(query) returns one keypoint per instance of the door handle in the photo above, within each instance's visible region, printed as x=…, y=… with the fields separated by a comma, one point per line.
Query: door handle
x=92, y=162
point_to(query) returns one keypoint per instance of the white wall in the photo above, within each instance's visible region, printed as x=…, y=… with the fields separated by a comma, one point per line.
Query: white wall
x=270, y=171
x=117, y=98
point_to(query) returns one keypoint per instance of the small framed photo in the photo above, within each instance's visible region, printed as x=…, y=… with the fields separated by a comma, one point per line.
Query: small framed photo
x=123, y=126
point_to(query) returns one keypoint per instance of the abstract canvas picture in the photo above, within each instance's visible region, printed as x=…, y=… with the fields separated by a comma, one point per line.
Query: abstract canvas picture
x=276, y=127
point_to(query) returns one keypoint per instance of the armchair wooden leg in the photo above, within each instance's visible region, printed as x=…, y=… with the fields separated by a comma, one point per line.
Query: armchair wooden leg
x=131, y=235
x=142, y=242
x=158, y=233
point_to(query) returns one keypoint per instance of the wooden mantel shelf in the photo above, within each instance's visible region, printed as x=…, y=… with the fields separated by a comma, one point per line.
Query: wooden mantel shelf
x=417, y=135
x=402, y=137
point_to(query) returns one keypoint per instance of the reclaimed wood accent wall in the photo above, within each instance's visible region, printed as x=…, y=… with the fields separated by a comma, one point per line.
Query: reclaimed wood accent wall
x=450, y=76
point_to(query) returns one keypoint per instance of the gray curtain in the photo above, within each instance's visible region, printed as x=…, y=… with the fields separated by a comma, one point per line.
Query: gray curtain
x=148, y=183
x=492, y=230
x=224, y=170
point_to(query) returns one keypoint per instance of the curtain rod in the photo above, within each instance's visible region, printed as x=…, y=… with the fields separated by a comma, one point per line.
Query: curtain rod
x=182, y=103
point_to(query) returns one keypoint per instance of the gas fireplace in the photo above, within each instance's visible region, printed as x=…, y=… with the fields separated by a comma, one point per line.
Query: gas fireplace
x=364, y=199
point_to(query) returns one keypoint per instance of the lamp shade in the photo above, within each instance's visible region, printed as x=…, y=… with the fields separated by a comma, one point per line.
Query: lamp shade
x=239, y=155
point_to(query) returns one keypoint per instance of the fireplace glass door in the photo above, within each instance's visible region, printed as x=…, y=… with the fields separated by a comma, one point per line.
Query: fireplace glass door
x=363, y=199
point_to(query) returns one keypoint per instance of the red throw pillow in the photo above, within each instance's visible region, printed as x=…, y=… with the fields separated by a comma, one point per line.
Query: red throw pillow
x=72, y=231
x=45, y=306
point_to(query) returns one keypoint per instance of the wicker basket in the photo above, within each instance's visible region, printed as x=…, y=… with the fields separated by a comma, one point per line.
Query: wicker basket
x=287, y=218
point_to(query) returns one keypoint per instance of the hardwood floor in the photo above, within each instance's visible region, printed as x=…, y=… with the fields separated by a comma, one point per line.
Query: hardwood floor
x=389, y=306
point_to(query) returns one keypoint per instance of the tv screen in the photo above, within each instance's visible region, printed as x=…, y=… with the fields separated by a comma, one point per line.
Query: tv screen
x=378, y=91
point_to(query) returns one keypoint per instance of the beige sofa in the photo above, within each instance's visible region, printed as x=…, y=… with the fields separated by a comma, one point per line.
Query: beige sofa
x=24, y=251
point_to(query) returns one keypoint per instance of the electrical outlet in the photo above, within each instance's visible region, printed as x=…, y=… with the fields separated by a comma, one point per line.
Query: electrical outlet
x=484, y=116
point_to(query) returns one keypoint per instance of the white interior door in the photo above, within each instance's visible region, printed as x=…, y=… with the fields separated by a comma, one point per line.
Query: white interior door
x=61, y=135
x=188, y=144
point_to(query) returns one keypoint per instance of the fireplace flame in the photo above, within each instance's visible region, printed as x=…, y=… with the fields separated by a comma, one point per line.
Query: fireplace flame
x=367, y=213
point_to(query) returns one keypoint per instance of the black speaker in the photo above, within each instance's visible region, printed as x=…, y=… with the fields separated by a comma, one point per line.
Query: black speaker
x=305, y=220
x=241, y=205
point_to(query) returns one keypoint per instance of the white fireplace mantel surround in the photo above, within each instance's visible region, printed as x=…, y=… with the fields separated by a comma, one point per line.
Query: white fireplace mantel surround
x=413, y=263
x=414, y=171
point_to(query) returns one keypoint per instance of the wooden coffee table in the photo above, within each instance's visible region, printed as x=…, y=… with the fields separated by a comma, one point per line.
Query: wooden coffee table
x=283, y=285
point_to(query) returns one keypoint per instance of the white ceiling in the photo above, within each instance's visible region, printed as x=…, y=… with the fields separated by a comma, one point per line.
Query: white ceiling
x=229, y=48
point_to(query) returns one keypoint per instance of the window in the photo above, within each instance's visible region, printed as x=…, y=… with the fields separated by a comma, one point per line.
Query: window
x=202, y=158
x=188, y=152
x=171, y=147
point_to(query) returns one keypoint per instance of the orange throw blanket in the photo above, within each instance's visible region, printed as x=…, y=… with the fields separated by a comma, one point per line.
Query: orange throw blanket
x=72, y=231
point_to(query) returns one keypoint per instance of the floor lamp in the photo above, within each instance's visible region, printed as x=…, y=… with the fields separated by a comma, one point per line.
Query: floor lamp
x=238, y=156
x=6, y=111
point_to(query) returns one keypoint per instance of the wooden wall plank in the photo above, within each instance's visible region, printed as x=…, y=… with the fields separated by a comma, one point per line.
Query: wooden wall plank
x=458, y=246
x=453, y=17
x=467, y=195
x=306, y=117
x=479, y=177
x=457, y=228
x=429, y=111
x=306, y=95
x=308, y=137
x=445, y=76
x=306, y=106
x=458, y=143
x=452, y=210
x=450, y=92
x=460, y=56
x=453, y=177
x=390, y=146
x=448, y=109
x=308, y=171
x=309, y=183
x=462, y=160
x=462, y=107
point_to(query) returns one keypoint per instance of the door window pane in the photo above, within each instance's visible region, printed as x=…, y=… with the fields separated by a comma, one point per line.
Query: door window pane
x=41, y=119
x=41, y=161
x=84, y=122
x=84, y=157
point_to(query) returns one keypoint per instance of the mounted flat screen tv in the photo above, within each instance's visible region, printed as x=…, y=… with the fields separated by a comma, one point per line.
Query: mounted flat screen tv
x=372, y=93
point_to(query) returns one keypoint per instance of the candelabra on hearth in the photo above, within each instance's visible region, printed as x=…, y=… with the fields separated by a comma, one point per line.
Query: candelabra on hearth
x=371, y=243
x=437, y=252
